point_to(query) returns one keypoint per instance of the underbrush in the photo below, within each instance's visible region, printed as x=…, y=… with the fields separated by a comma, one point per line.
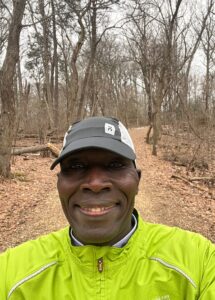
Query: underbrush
x=191, y=154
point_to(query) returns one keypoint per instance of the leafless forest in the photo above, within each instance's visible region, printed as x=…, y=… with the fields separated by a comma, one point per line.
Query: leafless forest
x=148, y=63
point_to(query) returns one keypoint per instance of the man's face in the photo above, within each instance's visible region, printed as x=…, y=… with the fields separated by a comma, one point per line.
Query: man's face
x=97, y=190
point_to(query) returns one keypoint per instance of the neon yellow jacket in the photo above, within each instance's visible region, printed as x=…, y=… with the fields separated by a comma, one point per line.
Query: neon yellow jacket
x=158, y=263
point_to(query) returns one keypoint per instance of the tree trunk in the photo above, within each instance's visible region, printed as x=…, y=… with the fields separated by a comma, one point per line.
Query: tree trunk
x=55, y=69
x=88, y=78
x=46, y=61
x=7, y=92
x=74, y=76
x=156, y=132
x=42, y=116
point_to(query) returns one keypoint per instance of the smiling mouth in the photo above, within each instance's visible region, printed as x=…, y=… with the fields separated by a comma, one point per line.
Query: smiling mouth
x=97, y=210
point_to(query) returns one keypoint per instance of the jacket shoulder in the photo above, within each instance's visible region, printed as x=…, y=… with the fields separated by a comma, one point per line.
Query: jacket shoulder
x=33, y=254
x=184, y=251
x=163, y=238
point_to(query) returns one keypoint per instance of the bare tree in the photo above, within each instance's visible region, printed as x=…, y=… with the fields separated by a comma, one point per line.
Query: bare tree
x=154, y=53
x=190, y=51
x=55, y=68
x=46, y=56
x=79, y=12
x=23, y=100
x=97, y=9
x=208, y=45
x=8, y=112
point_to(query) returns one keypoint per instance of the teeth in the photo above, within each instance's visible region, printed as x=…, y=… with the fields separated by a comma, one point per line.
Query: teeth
x=96, y=209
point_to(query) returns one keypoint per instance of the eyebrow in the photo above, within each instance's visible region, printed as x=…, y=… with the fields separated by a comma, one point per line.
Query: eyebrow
x=69, y=160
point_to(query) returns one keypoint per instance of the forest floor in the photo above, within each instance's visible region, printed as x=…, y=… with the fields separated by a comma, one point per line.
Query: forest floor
x=30, y=205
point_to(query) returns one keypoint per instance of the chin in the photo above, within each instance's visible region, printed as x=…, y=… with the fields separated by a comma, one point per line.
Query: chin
x=96, y=239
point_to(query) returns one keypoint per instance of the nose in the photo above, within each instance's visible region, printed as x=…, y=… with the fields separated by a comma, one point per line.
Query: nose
x=96, y=180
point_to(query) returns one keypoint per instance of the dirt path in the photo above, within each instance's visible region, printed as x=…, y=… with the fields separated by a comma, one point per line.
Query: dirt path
x=163, y=199
x=30, y=205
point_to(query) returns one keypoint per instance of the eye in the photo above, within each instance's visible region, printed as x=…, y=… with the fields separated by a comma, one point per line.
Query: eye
x=73, y=166
x=77, y=165
x=115, y=165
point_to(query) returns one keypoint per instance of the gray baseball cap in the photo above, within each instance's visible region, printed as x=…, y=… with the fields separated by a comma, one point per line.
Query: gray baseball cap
x=97, y=132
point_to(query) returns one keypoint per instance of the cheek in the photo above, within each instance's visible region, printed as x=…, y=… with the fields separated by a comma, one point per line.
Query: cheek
x=65, y=186
x=129, y=185
x=64, y=191
x=64, y=205
x=134, y=179
x=61, y=189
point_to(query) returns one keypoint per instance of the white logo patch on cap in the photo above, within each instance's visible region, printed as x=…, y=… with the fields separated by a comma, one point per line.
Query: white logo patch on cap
x=109, y=129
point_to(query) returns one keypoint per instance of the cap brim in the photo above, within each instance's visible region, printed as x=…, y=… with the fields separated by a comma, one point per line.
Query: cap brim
x=96, y=142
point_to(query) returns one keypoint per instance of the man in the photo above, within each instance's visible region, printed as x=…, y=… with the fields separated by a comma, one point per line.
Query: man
x=107, y=252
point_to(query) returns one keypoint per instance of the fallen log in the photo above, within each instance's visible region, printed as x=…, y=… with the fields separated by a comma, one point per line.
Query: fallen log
x=54, y=150
x=193, y=185
x=180, y=164
x=202, y=179
x=32, y=149
x=28, y=135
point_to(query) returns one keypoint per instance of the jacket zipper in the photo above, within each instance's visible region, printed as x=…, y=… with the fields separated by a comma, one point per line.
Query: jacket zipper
x=100, y=265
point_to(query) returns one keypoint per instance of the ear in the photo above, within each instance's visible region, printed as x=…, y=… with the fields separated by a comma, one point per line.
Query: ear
x=139, y=173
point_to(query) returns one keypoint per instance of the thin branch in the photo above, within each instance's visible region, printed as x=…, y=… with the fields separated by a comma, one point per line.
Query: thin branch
x=5, y=6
